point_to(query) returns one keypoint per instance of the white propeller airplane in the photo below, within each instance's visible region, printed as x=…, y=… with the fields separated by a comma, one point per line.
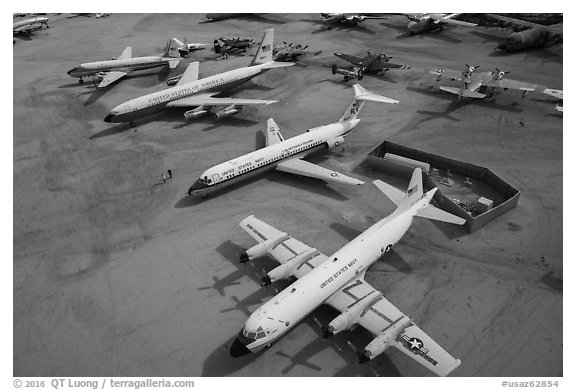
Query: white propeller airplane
x=286, y=155
x=338, y=281
x=190, y=91
x=420, y=23
x=109, y=71
x=480, y=85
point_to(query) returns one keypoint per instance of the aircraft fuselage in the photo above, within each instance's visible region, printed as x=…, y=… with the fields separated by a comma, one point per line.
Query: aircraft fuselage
x=291, y=305
x=527, y=39
x=125, y=64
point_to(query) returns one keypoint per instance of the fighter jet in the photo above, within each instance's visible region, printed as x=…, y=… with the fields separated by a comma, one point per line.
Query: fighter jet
x=338, y=281
x=291, y=52
x=480, y=85
x=329, y=19
x=421, y=23
x=287, y=155
x=28, y=26
x=109, y=71
x=371, y=63
x=535, y=35
x=190, y=91
x=230, y=45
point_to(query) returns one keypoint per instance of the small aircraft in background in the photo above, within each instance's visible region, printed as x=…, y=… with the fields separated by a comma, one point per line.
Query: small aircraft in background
x=480, y=85
x=230, y=45
x=329, y=19
x=28, y=26
x=372, y=63
x=291, y=52
x=108, y=71
x=103, y=14
x=339, y=281
x=421, y=23
x=185, y=48
x=534, y=36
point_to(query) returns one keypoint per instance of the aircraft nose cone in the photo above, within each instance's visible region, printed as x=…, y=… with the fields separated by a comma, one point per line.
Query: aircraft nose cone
x=108, y=118
x=70, y=71
x=238, y=349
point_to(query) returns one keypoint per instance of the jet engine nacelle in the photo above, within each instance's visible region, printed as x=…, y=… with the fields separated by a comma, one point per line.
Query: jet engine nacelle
x=195, y=113
x=334, y=142
x=262, y=248
x=231, y=110
x=284, y=271
x=348, y=318
x=384, y=340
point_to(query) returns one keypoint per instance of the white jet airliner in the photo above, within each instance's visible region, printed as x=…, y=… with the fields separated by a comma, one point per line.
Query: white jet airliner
x=338, y=281
x=286, y=155
x=109, y=71
x=189, y=91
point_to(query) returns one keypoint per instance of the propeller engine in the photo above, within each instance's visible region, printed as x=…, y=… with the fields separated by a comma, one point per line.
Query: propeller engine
x=286, y=270
x=499, y=75
x=262, y=248
x=383, y=341
x=348, y=319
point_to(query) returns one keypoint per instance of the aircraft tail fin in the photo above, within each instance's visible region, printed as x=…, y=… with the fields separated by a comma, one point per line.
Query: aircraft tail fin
x=173, y=48
x=264, y=52
x=362, y=95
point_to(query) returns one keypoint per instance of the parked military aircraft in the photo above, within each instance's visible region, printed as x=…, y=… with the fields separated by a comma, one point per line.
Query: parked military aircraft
x=185, y=48
x=109, y=71
x=371, y=63
x=480, y=85
x=286, y=155
x=535, y=35
x=28, y=26
x=330, y=20
x=232, y=45
x=338, y=281
x=190, y=91
x=421, y=23
x=291, y=52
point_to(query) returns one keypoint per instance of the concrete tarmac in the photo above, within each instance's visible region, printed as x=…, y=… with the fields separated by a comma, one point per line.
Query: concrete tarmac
x=117, y=274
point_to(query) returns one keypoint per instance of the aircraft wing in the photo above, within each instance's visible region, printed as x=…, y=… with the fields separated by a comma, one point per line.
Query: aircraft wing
x=380, y=314
x=273, y=135
x=551, y=29
x=287, y=249
x=111, y=77
x=510, y=84
x=347, y=57
x=190, y=74
x=448, y=73
x=304, y=168
x=463, y=93
x=127, y=53
x=207, y=100
x=448, y=20
x=558, y=93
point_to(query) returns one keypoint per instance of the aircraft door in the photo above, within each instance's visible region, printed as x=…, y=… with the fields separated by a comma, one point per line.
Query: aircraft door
x=215, y=178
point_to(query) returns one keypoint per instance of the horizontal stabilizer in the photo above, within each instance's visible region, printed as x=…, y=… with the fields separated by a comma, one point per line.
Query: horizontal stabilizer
x=361, y=93
x=437, y=214
x=465, y=93
x=174, y=63
x=394, y=194
x=274, y=64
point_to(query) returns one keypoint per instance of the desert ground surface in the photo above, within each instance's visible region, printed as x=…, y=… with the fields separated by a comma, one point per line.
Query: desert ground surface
x=116, y=274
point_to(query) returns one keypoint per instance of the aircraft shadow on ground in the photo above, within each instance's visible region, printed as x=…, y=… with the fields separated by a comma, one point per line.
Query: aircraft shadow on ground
x=119, y=128
x=343, y=27
x=539, y=53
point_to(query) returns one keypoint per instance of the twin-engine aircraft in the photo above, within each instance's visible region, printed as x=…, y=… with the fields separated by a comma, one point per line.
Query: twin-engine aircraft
x=110, y=71
x=371, y=63
x=480, y=85
x=28, y=26
x=338, y=281
x=421, y=23
x=190, y=91
x=534, y=36
x=287, y=155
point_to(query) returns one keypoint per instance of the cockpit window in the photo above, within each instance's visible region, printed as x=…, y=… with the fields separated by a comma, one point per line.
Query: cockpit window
x=260, y=335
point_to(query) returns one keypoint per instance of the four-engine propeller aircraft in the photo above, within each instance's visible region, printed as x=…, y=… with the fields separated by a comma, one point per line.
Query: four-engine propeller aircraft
x=109, y=71
x=338, y=281
x=421, y=23
x=190, y=91
x=28, y=26
x=480, y=85
x=286, y=155
x=371, y=63
x=291, y=52
x=535, y=36
x=331, y=19
x=231, y=45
